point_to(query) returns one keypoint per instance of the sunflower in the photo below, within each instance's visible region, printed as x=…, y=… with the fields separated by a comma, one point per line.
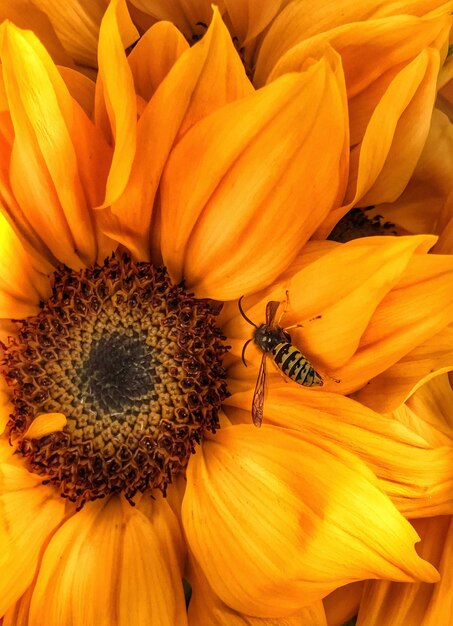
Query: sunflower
x=135, y=215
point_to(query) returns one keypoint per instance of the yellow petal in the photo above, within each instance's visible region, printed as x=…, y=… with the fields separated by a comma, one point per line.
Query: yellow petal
x=119, y=96
x=203, y=79
x=45, y=170
x=286, y=534
x=419, y=604
x=29, y=513
x=208, y=609
x=388, y=390
x=45, y=424
x=22, y=286
x=112, y=563
x=218, y=230
x=415, y=474
x=154, y=56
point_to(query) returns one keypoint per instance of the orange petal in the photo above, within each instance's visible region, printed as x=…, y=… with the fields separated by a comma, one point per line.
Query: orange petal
x=251, y=17
x=183, y=13
x=154, y=56
x=44, y=161
x=26, y=15
x=430, y=184
x=267, y=501
x=118, y=93
x=388, y=390
x=80, y=87
x=203, y=79
x=207, y=608
x=385, y=157
x=416, y=476
x=419, y=604
x=318, y=22
x=29, y=513
x=112, y=563
x=77, y=26
x=17, y=615
x=261, y=168
x=410, y=99
x=6, y=408
x=45, y=424
x=433, y=402
x=342, y=604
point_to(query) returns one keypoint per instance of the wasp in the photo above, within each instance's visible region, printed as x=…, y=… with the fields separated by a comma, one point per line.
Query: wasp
x=275, y=342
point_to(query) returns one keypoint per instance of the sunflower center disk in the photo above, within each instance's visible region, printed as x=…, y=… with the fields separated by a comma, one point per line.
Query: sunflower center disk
x=135, y=365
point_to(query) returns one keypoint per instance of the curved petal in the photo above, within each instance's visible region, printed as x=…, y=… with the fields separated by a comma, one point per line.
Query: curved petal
x=303, y=21
x=414, y=474
x=218, y=229
x=208, y=609
x=203, y=79
x=77, y=24
x=420, y=604
x=81, y=88
x=112, y=563
x=387, y=153
x=26, y=15
x=46, y=165
x=29, y=513
x=419, y=307
x=430, y=183
x=154, y=55
x=393, y=386
x=118, y=95
x=185, y=14
x=266, y=499
x=336, y=296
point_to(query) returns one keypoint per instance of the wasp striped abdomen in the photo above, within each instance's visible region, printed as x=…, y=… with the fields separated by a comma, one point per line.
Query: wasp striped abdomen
x=294, y=365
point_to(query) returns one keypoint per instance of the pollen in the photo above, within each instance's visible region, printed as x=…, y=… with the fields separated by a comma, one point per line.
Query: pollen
x=133, y=362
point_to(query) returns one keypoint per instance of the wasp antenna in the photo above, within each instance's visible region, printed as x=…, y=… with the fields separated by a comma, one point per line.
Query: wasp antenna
x=243, y=351
x=241, y=310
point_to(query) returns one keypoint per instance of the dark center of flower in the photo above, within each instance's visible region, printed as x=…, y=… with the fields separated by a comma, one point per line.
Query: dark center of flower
x=135, y=365
x=356, y=223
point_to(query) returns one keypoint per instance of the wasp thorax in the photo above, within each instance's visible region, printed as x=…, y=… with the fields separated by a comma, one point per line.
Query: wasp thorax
x=135, y=365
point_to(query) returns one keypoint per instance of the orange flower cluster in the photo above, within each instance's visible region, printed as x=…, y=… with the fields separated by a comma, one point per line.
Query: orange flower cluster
x=225, y=143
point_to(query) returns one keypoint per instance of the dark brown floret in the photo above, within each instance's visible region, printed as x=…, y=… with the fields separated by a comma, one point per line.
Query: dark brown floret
x=135, y=364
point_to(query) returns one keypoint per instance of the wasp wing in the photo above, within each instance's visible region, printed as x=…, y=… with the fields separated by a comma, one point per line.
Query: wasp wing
x=258, y=396
x=271, y=310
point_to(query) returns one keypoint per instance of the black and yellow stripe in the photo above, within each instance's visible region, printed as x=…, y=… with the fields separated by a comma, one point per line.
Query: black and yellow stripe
x=293, y=363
